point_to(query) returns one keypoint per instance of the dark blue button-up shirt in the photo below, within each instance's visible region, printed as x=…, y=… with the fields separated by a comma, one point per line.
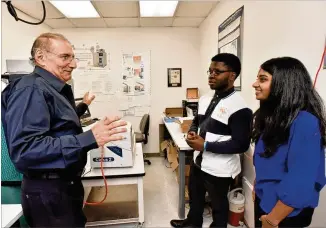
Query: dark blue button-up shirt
x=41, y=125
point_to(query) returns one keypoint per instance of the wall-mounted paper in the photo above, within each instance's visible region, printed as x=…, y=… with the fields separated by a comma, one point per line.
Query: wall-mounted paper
x=108, y=87
x=140, y=111
x=129, y=112
x=85, y=58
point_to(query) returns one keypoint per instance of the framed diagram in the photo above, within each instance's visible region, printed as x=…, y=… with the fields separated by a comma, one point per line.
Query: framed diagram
x=230, y=38
x=174, y=77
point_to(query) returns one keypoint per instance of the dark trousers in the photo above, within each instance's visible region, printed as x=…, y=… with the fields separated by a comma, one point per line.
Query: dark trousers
x=53, y=203
x=303, y=219
x=217, y=188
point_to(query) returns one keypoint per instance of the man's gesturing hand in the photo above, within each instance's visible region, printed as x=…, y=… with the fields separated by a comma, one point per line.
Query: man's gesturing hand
x=108, y=130
x=87, y=99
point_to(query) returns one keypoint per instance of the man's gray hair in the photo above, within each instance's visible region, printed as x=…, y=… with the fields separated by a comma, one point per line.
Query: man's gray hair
x=43, y=42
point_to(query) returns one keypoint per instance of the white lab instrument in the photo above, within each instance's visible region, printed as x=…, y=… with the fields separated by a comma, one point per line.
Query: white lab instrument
x=117, y=153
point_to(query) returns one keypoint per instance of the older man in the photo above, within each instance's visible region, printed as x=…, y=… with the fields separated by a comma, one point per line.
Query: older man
x=45, y=139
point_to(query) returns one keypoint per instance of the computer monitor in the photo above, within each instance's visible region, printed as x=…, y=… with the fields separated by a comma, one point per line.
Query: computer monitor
x=87, y=114
x=17, y=66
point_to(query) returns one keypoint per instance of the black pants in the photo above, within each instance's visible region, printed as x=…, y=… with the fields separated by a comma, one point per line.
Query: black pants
x=303, y=219
x=217, y=188
x=53, y=203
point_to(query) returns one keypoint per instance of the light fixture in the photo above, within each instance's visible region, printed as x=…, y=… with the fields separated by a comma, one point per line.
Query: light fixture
x=76, y=9
x=157, y=8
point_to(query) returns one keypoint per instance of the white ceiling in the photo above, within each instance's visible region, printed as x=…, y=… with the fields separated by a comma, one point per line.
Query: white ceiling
x=119, y=14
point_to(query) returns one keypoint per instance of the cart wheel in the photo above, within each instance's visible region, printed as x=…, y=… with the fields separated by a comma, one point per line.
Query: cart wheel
x=140, y=225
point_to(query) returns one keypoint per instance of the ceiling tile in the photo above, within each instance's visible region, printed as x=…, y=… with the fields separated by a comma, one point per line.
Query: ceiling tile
x=156, y=21
x=122, y=22
x=194, y=9
x=117, y=9
x=89, y=22
x=188, y=21
x=59, y=23
x=35, y=9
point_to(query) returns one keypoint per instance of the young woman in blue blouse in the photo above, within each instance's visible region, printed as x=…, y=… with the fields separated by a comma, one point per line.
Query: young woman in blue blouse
x=289, y=133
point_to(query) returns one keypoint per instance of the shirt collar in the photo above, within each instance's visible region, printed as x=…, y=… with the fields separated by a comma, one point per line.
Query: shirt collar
x=50, y=78
x=224, y=93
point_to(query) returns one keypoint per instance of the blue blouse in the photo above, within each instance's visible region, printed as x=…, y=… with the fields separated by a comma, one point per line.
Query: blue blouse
x=295, y=174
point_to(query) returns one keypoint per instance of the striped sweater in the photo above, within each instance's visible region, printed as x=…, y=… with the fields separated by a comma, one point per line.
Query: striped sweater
x=226, y=131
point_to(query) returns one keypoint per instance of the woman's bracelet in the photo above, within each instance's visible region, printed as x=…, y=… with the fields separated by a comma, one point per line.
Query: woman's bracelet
x=270, y=223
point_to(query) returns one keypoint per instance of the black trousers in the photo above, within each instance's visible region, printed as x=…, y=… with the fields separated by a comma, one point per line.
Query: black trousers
x=53, y=203
x=303, y=219
x=217, y=188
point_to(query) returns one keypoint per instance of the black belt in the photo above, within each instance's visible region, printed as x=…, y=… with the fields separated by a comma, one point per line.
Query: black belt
x=11, y=183
x=52, y=175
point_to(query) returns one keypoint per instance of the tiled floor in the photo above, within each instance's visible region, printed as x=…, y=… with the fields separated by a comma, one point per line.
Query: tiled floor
x=161, y=196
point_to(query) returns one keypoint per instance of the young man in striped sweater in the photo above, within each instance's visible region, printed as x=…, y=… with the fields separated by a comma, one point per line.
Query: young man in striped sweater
x=219, y=133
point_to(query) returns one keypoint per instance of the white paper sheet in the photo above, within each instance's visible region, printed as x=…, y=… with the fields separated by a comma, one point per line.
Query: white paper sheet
x=129, y=112
x=140, y=111
x=108, y=87
x=85, y=58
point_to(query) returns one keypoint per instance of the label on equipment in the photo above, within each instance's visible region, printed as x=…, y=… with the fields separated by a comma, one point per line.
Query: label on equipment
x=105, y=159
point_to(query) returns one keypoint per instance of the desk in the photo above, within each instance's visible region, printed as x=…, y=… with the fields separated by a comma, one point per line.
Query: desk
x=119, y=176
x=179, y=139
x=10, y=214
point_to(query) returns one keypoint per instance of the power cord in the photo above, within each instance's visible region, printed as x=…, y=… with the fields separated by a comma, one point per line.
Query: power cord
x=105, y=182
x=13, y=13
x=321, y=63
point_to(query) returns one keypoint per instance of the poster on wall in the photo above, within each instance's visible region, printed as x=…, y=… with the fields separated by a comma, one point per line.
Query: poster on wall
x=135, y=90
x=90, y=57
x=230, y=37
x=133, y=77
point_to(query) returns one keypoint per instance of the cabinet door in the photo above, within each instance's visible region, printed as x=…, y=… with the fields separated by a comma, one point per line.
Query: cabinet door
x=249, y=213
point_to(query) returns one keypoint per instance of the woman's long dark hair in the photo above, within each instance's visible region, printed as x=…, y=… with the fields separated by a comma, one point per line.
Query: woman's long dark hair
x=291, y=92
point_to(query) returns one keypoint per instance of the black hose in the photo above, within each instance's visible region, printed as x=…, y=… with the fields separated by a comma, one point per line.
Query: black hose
x=13, y=13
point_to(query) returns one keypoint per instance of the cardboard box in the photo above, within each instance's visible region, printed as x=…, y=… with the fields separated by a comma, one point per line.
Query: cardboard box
x=185, y=125
x=187, y=173
x=174, y=112
x=172, y=156
x=172, y=153
x=192, y=93
x=161, y=138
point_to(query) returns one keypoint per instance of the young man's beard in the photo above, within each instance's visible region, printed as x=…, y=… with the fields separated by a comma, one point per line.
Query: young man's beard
x=221, y=85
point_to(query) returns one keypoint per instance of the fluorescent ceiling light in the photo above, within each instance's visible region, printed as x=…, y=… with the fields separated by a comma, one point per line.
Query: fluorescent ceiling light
x=76, y=9
x=157, y=8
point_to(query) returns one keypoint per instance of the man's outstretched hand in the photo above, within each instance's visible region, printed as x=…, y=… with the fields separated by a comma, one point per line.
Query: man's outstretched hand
x=108, y=130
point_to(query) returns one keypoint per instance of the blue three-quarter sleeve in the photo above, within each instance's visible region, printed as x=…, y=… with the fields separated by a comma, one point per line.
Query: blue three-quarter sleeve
x=298, y=185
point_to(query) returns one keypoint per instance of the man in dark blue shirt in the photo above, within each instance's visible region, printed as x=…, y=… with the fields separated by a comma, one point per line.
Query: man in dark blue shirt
x=45, y=138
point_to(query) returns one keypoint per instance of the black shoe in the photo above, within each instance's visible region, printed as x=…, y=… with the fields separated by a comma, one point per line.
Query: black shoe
x=181, y=223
